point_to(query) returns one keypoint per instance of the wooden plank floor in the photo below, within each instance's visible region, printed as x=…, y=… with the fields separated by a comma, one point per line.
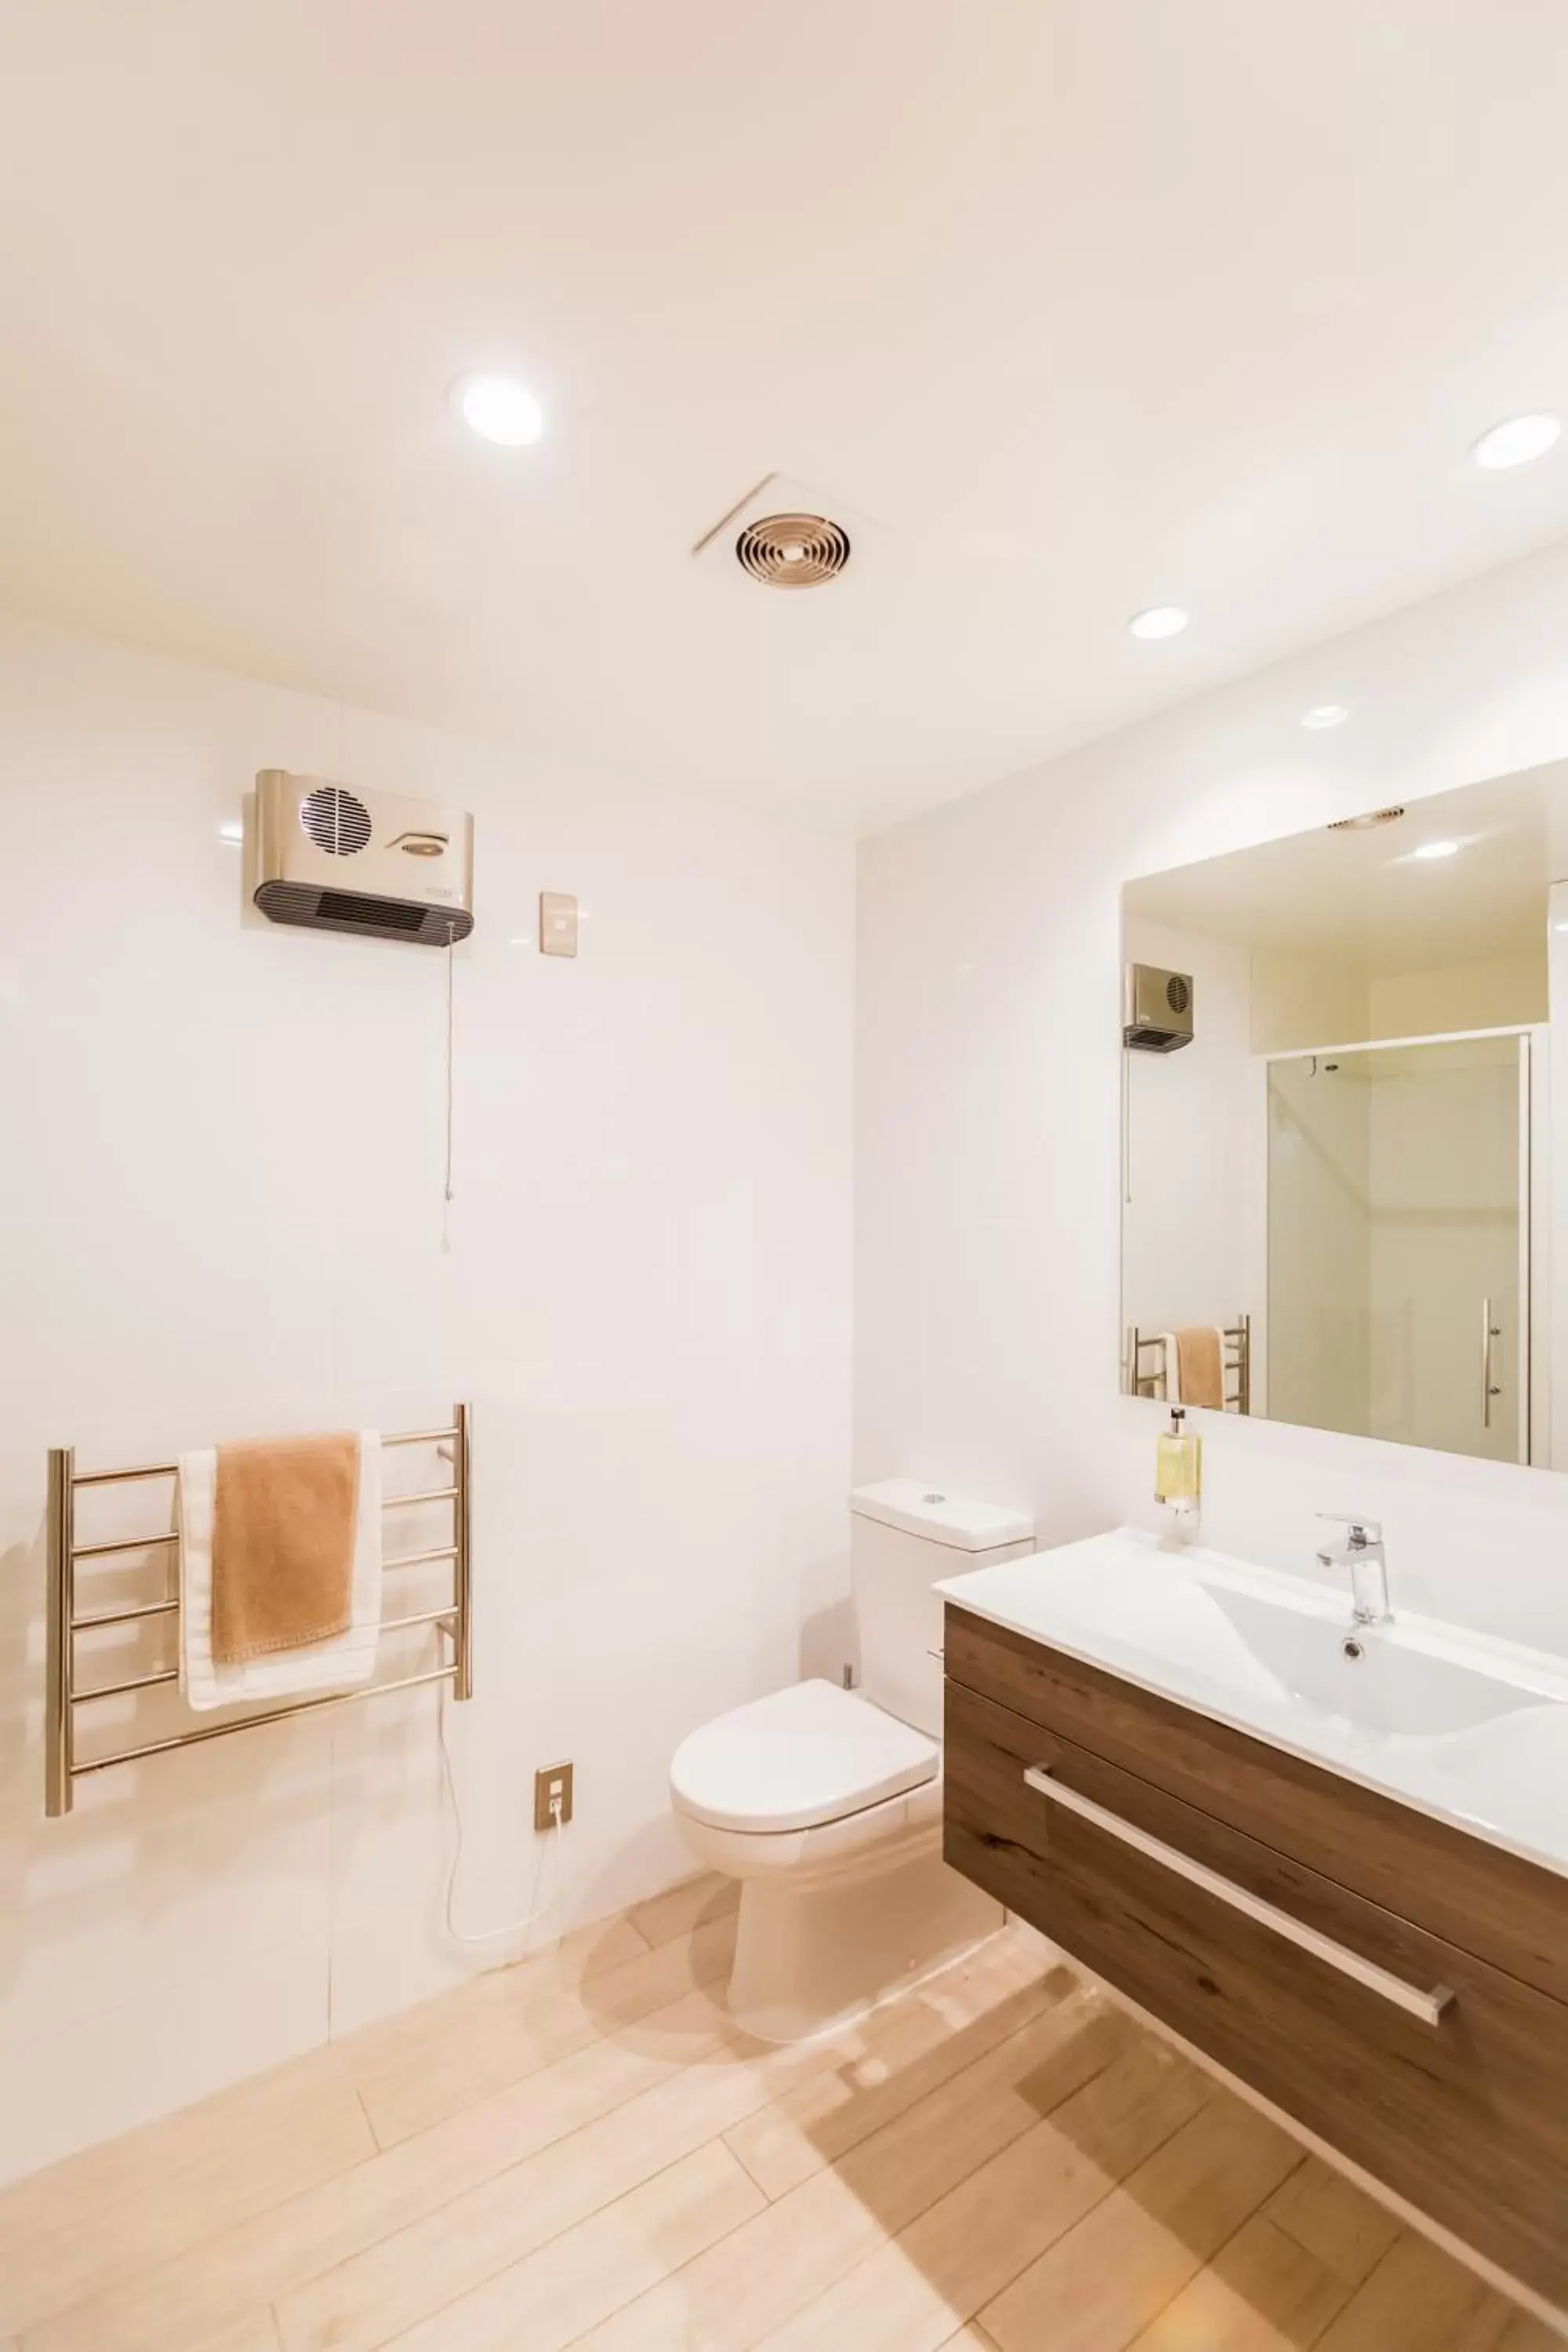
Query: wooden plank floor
x=583, y=2152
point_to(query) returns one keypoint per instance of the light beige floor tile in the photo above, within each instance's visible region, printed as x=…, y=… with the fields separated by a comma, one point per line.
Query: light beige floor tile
x=410, y=2272
x=552, y=2298
x=589, y=1951
x=732, y=2295
x=1334, y=2219
x=916, y=2289
x=681, y=1908
x=1419, y=2299
x=255, y=2333
x=619, y=1997
x=115, y=2210
x=285, y=2248
x=913, y=2046
x=403, y=2038
x=1118, y=2267
x=509, y=2028
x=1262, y=2293
x=574, y=2145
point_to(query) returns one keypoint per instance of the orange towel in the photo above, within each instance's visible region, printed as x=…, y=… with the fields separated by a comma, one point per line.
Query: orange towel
x=283, y=1544
x=1200, y=1366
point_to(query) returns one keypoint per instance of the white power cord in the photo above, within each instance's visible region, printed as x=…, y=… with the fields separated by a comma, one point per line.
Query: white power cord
x=538, y=1911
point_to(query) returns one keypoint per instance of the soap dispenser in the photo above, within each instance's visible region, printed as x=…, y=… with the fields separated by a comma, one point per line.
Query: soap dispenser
x=1178, y=1466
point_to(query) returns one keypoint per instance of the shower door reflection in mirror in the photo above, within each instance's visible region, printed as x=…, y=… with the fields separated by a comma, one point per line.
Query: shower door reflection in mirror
x=1344, y=1181
x=1398, y=1238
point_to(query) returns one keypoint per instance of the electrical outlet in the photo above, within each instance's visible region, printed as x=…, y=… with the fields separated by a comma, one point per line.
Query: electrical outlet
x=553, y=1782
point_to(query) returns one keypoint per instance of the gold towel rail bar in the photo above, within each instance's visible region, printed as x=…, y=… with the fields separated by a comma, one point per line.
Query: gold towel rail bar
x=249, y=1722
x=126, y=1543
x=62, y=1768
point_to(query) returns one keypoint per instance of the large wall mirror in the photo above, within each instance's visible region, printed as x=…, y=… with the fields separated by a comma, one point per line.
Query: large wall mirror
x=1341, y=1186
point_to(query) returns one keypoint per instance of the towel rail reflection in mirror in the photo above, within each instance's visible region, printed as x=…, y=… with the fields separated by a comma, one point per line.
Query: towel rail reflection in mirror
x=1236, y=1348
x=63, y=1769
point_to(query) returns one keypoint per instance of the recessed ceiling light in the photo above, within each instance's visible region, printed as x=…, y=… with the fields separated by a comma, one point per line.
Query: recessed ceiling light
x=1436, y=849
x=1516, y=442
x=499, y=408
x=234, y=831
x=1327, y=714
x=1159, y=621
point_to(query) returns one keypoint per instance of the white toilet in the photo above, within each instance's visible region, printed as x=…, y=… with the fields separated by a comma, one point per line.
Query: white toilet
x=827, y=1803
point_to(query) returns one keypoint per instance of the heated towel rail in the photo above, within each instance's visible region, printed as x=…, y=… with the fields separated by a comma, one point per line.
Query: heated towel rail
x=63, y=1769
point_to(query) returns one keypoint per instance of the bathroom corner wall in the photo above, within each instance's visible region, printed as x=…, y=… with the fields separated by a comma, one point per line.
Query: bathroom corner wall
x=221, y=1214
x=987, y=1314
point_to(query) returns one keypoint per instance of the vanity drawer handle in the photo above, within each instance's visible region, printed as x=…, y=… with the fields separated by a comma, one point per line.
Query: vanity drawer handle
x=1427, y=2006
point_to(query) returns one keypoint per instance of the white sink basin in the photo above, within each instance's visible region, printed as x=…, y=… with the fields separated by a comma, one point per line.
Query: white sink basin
x=1355, y=1675
x=1471, y=1729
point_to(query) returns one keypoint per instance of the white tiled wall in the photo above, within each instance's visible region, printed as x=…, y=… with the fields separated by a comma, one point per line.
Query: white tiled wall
x=987, y=1320
x=220, y=1212
x=1208, y=1197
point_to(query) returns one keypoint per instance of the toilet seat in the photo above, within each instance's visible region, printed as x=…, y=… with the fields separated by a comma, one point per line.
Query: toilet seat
x=798, y=1759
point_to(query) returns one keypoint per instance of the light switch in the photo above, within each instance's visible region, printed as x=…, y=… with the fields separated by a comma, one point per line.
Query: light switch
x=557, y=923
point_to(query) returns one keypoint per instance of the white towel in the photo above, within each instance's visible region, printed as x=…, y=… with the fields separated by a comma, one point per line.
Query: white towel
x=1173, y=1367
x=348, y=1658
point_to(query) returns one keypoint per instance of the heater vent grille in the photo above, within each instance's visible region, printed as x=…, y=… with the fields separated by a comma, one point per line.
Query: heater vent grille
x=308, y=904
x=347, y=907
x=335, y=820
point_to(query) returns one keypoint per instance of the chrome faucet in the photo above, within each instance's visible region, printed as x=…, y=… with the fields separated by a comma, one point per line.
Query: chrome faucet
x=1362, y=1552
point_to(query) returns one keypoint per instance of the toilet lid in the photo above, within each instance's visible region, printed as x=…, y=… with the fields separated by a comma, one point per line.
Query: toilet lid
x=810, y=1754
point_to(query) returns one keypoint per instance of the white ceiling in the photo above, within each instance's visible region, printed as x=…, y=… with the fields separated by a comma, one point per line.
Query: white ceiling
x=1094, y=303
x=1367, y=897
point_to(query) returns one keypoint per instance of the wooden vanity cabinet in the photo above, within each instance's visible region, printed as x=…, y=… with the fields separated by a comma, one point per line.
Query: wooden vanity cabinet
x=1396, y=1986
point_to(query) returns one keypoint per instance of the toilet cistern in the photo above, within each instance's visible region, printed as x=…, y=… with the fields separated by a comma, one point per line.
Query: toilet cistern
x=1362, y=1552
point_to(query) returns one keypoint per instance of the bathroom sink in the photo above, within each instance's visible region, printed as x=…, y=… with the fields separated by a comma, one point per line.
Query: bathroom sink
x=1472, y=1729
x=1362, y=1677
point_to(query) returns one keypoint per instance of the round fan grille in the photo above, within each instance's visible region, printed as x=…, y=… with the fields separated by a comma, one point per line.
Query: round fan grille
x=792, y=550
x=1365, y=824
x=335, y=821
x=1178, y=995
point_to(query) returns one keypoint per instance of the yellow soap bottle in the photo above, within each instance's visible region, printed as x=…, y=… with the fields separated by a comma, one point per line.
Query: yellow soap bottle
x=1179, y=1465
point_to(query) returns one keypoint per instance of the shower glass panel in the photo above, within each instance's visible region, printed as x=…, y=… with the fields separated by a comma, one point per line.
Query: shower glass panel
x=1398, y=1240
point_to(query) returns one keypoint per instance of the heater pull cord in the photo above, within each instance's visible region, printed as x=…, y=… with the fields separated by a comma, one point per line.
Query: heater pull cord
x=451, y=946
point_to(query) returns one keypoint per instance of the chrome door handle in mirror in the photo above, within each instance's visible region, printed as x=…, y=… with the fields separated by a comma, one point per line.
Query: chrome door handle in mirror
x=1489, y=1331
